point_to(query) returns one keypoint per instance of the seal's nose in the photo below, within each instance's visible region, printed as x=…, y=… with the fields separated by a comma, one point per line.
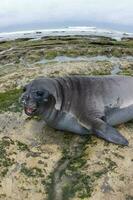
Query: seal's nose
x=24, y=99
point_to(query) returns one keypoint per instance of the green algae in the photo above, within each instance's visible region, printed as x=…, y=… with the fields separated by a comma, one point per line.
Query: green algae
x=22, y=146
x=129, y=197
x=9, y=100
x=69, y=176
x=50, y=54
x=5, y=161
x=81, y=185
x=111, y=165
x=31, y=172
x=127, y=72
x=118, y=155
x=101, y=72
x=72, y=179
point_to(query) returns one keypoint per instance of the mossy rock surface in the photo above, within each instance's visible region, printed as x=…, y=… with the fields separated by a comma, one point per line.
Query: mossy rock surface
x=49, y=47
x=9, y=100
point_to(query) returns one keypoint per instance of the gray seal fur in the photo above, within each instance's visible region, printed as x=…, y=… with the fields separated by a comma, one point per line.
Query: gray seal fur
x=83, y=105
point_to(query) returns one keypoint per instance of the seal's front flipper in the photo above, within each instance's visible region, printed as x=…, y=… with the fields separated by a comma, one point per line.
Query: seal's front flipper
x=110, y=134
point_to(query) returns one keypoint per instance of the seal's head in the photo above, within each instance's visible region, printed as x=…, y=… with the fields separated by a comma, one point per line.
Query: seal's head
x=36, y=100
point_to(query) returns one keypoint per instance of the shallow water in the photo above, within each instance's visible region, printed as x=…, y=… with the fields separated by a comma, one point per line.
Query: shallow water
x=116, y=69
x=114, y=60
x=84, y=58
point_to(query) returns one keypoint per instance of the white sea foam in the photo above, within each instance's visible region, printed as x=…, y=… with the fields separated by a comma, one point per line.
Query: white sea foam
x=73, y=30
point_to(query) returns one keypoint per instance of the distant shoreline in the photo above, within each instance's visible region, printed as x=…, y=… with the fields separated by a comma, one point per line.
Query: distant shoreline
x=73, y=30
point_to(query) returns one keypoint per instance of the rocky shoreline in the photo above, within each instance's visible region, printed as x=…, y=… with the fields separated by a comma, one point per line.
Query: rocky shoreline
x=37, y=162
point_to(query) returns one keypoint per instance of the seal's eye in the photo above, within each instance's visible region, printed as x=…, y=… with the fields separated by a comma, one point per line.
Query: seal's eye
x=24, y=89
x=40, y=93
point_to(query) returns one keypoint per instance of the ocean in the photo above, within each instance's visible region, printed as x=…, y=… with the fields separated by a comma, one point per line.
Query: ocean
x=75, y=30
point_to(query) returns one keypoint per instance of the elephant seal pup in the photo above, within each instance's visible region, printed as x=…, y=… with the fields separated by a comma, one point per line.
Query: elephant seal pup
x=82, y=105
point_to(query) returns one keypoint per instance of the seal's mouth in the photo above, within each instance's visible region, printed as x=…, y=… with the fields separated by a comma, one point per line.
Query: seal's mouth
x=30, y=111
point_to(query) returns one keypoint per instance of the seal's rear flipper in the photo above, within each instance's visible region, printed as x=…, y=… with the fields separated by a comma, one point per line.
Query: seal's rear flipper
x=101, y=129
x=110, y=134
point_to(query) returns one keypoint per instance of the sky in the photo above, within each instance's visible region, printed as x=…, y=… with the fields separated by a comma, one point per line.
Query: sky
x=18, y=15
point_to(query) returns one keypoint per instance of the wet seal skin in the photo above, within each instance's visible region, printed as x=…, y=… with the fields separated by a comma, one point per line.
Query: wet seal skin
x=82, y=105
